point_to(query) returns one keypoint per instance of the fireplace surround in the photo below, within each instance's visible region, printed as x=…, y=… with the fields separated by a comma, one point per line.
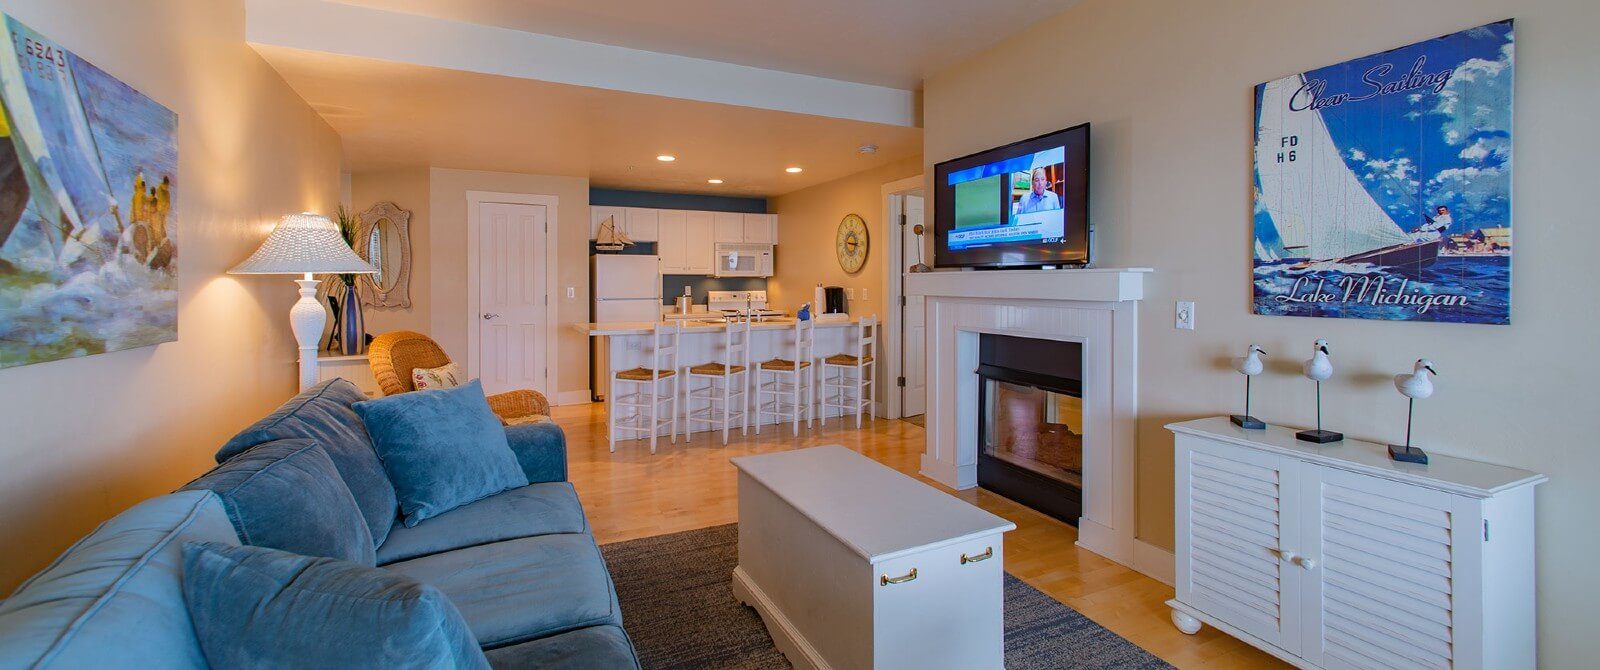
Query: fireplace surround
x=1095, y=308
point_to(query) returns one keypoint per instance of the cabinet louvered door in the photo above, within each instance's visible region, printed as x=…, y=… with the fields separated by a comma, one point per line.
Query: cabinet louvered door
x=1239, y=523
x=1380, y=572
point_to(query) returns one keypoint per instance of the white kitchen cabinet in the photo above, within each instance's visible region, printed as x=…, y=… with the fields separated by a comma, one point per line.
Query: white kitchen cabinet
x=729, y=226
x=701, y=244
x=644, y=224
x=761, y=228
x=598, y=215
x=1335, y=556
x=673, y=247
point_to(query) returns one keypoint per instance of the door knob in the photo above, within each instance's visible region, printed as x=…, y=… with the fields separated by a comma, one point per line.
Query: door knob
x=1286, y=556
x=487, y=316
x=1307, y=563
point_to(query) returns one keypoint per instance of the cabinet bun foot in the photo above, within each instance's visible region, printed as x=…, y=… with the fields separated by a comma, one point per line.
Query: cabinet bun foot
x=1188, y=624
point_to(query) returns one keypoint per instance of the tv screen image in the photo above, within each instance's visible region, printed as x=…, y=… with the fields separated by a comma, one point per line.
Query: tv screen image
x=1021, y=205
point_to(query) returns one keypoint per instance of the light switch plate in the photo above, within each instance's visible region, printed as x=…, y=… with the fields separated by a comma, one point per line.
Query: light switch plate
x=572, y=292
x=1183, y=316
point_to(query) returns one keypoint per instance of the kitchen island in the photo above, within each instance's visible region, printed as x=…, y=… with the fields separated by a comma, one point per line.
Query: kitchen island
x=629, y=344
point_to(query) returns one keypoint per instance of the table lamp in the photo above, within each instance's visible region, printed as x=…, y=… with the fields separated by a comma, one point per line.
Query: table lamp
x=304, y=244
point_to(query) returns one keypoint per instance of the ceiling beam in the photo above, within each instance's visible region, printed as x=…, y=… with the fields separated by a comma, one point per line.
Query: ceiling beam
x=336, y=28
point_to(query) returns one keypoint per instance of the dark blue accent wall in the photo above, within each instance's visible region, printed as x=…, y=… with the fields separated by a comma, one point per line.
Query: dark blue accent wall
x=606, y=197
x=699, y=285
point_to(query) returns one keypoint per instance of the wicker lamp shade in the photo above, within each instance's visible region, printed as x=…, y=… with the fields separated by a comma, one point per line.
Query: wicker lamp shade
x=304, y=243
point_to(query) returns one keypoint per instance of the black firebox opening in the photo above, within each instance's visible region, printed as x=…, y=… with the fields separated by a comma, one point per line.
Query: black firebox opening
x=1030, y=423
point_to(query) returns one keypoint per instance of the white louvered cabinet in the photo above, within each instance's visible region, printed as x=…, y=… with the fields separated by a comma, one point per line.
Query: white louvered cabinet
x=1333, y=556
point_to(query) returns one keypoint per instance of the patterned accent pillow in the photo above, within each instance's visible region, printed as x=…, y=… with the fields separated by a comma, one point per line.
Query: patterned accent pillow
x=442, y=377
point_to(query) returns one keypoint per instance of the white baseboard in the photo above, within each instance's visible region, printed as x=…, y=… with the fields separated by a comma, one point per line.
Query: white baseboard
x=1155, y=562
x=573, y=397
x=785, y=637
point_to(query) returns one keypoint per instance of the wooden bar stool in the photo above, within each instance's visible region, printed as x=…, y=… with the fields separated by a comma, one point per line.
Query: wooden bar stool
x=727, y=385
x=784, y=387
x=647, y=395
x=852, y=387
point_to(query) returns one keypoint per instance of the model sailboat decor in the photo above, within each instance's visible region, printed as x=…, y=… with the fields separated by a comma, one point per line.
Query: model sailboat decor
x=88, y=172
x=1383, y=184
x=608, y=238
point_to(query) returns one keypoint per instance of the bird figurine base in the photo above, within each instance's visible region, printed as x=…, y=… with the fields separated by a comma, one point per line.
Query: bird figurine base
x=1247, y=422
x=1405, y=454
x=1319, y=436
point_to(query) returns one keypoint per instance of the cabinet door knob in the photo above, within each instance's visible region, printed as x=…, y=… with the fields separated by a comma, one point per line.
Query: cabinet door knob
x=1307, y=563
x=988, y=553
x=1286, y=556
x=886, y=580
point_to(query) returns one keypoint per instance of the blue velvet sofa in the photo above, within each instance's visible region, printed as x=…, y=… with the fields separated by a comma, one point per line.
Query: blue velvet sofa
x=521, y=566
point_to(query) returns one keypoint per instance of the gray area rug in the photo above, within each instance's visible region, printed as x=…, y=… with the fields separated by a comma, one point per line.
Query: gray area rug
x=679, y=609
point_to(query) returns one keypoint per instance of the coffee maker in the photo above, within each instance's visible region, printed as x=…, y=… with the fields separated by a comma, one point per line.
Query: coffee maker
x=834, y=300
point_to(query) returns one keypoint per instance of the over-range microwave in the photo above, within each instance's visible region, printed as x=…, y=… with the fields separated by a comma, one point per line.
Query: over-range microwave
x=743, y=260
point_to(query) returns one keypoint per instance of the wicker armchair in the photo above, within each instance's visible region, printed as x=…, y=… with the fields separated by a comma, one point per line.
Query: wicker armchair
x=394, y=355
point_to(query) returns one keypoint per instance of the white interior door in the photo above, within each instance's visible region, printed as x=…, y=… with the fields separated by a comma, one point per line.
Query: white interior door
x=511, y=296
x=913, y=321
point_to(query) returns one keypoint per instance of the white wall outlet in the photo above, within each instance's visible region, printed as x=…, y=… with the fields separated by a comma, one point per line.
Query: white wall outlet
x=850, y=293
x=1184, y=315
x=864, y=297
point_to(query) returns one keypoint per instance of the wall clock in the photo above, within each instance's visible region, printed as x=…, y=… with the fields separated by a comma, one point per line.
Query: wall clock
x=851, y=243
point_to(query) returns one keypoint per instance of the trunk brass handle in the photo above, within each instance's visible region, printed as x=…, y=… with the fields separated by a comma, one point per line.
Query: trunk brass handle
x=887, y=580
x=988, y=553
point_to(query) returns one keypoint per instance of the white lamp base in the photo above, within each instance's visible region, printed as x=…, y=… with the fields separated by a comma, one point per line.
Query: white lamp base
x=307, y=319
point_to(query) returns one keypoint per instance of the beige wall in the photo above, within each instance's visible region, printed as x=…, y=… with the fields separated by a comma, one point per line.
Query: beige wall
x=86, y=438
x=808, y=223
x=408, y=190
x=448, y=286
x=1167, y=85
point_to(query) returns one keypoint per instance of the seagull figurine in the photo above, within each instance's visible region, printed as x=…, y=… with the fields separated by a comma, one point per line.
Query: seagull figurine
x=1319, y=369
x=1249, y=365
x=1414, y=386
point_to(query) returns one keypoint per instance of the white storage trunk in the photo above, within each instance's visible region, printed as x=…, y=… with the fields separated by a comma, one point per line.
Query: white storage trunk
x=1335, y=556
x=854, y=565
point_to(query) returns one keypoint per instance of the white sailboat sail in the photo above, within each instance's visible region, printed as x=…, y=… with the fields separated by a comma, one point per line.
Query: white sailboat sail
x=1265, y=254
x=1317, y=204
x=49, y=194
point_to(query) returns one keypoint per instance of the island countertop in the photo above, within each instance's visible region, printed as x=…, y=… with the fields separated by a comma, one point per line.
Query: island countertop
x=692, y=326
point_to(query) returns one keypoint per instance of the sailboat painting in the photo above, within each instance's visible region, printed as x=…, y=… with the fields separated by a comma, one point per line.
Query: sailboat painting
x=1383, y=185
x=88, y=244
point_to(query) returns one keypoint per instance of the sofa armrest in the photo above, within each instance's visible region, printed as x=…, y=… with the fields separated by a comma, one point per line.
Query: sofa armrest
x=541, y=449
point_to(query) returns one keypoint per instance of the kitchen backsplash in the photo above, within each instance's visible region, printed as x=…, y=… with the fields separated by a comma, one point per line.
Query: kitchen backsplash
x=672, y=286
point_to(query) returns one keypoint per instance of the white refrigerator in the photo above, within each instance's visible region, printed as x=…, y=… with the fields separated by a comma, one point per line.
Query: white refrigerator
x=626, y=288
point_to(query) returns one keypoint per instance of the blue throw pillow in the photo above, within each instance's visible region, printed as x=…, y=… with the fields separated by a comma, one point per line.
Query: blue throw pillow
x=262, y=608
x=323, y=413
x=287, y=494
x=442, y=449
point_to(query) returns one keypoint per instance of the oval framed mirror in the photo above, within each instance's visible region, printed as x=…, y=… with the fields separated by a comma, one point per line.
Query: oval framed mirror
x=383, y=238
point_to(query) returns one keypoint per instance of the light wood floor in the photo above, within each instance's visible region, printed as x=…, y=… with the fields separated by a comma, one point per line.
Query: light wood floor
x=632, y=494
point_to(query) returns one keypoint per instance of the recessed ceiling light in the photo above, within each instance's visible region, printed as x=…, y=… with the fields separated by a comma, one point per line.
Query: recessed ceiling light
x=868, y=149
x=792, y=170
x=713, y=181
x=666, y=158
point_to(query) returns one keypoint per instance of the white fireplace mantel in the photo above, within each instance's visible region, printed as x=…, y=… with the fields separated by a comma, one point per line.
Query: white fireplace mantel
x=1097, y=308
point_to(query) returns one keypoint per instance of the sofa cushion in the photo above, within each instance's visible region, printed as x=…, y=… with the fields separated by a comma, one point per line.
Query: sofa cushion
x=442, y=449
x=287, y=494
x=541, y=450
x=538, y=509
x=596, y=648
x=523, y=589
x=323, y=413
x=115, y=598
x=262, y=608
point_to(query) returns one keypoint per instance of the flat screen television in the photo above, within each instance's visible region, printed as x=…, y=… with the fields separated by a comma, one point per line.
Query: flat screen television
x=1022, y=205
